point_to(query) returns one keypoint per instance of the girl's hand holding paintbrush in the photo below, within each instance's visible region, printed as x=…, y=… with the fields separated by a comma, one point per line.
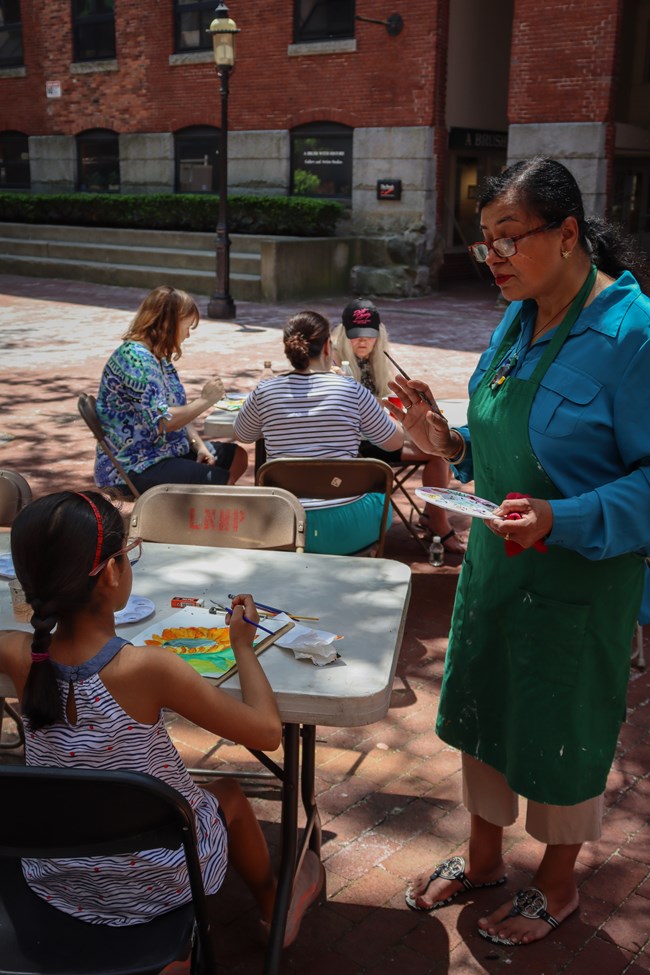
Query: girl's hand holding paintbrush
x=243, y=622
x=425, y=425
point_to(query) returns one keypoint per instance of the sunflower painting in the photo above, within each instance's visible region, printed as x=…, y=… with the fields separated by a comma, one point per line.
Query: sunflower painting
x=207, y=649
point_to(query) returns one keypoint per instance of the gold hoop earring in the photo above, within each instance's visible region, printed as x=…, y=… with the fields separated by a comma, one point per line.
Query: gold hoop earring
x=565, y=254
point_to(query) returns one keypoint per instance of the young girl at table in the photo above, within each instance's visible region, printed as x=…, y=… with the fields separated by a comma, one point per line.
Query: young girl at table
x=92, y=700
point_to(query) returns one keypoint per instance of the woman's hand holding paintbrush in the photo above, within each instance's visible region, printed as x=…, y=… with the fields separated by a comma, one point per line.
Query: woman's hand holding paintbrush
x=424, y=423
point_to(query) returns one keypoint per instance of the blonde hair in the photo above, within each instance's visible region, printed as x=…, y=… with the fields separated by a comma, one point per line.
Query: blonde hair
x=380, y=365
x=157, y=321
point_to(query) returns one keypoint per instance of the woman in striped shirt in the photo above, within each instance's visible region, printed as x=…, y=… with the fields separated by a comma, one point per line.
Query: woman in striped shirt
x=312, y=412
x=92, y=700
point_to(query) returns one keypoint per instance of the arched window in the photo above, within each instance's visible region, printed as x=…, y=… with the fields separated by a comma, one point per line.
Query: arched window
x=323, y=20
x=93, y=29
x=321, y=160
x=14, y=161
x=11, y=34
x=98, y=161
x=196, y=153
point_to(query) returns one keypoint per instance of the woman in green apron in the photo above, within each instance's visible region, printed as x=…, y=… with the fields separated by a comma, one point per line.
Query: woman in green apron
x=537, y=666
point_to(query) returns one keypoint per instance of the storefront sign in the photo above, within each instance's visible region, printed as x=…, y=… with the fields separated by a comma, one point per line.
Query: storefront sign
x=389, y=189
x=477, y=139
x=53, y=89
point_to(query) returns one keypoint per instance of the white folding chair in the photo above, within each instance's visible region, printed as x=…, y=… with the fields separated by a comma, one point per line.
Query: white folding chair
x=230, y=516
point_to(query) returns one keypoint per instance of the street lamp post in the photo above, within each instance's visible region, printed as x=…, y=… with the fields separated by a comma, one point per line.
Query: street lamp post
x=223, y=30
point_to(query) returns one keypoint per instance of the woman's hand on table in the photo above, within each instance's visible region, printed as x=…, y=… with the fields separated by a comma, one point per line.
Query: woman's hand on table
x=427, y=429
x=533, y=521
x=241, y=632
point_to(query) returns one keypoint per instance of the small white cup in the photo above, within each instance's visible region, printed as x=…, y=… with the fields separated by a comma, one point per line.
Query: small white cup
x=22, y=610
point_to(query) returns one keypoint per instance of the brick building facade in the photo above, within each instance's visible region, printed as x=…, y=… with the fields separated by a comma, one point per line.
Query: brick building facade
x=123, y=97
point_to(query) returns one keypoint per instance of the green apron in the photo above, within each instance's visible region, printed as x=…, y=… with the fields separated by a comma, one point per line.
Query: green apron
x=538, y=661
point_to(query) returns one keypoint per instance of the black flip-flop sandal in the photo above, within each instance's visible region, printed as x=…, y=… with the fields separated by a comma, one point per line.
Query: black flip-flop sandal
x=451, y=869
x=529, y=902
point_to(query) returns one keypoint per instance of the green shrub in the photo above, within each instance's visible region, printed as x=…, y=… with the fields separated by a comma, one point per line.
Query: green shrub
x=287, y=216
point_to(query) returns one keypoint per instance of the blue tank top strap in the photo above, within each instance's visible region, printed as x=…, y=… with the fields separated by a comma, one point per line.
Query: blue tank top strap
x=91, y=667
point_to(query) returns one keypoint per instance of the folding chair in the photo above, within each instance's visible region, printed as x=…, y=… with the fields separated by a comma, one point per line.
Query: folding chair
x=15, y=493
x=330, y=478
x=57, y=812
x=87, y=406
x=225, y=516
x=402, y=472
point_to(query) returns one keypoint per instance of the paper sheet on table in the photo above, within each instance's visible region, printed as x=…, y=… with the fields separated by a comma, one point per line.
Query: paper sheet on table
x=314, y=645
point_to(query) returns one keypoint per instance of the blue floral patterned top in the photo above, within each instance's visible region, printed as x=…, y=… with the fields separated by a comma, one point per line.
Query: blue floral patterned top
x=136, y=391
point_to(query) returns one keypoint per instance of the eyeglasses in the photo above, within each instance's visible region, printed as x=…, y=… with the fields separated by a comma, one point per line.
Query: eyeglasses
x=504, y=246
x=132, y=545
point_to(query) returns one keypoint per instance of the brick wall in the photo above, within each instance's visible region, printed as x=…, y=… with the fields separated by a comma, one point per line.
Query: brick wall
x=563, y=60
x=386, y=81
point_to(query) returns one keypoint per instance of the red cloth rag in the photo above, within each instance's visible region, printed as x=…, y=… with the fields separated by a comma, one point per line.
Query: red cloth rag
x=514, y=548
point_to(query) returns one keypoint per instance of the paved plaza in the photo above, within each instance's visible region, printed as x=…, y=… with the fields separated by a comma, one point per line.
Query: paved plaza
x=389, y=793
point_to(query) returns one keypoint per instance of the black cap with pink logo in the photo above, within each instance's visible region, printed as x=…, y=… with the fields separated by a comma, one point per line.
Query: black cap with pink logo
x=361, y=319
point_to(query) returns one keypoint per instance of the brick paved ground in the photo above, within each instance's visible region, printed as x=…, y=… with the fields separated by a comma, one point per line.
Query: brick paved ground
x=388, y=793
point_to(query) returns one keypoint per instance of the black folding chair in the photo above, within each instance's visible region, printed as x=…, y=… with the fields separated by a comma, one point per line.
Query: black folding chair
x=87, y=406
x=56, y=812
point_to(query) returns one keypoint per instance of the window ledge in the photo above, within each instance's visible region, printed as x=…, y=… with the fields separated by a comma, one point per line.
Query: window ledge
x=322, y=47
x=20, y=71
x=93, y=67
x=192, y=57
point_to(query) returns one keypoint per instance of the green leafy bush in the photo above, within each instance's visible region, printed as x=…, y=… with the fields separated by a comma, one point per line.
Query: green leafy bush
x=286, y=216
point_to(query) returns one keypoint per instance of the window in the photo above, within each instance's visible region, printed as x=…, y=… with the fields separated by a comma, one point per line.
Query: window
x=14, y=161
x=98, y=161
x=196, y=152
x=11, y=35
x=93, y=28
x=192, y=18
x=323, y=20
x=321, y=160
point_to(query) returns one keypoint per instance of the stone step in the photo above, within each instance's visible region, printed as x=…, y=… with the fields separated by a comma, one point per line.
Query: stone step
x=244, y=287
x=109, y=253
x=242, y=243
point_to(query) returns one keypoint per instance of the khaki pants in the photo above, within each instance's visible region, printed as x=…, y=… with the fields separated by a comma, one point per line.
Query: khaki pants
x=487, y=794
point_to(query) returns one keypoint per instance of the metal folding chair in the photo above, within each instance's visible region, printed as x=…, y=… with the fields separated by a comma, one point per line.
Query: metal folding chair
x=15, y=493
x=87, y=406
x=330, y=478
x=226, y=516
x=75, y=812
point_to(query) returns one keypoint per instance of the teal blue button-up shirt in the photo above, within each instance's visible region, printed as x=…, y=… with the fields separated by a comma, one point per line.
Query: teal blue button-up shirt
x=590, y=420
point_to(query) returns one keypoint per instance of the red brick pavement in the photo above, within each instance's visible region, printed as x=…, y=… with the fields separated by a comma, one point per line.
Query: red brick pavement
x=388, y=793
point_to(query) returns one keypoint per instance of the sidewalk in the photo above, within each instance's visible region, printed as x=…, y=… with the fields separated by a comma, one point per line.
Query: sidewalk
x=389, y=794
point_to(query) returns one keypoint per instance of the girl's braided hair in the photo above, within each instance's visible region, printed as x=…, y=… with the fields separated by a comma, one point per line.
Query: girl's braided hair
x=54, y=545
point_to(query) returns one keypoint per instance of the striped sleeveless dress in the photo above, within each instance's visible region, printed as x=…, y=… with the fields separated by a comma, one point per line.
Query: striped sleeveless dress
x=120, y=890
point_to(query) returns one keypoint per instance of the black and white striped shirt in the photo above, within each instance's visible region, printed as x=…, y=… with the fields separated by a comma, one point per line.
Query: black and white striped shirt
x=319, y=414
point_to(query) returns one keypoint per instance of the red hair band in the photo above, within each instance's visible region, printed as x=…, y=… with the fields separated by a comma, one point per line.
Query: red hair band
x=100, y=529
x=38, y=658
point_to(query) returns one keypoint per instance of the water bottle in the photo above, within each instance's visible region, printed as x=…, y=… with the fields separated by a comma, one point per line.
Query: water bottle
x=345, y=368
x=436, y=552
x=267, y=371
